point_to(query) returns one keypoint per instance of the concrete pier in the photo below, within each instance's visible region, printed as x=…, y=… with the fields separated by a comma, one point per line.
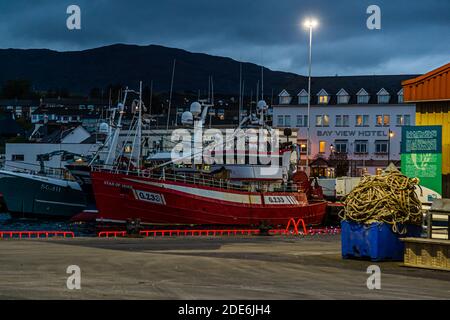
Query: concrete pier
x=250, y=267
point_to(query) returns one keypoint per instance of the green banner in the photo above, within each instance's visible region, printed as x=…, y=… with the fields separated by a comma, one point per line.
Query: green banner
x=425, y=166
x=422, y=155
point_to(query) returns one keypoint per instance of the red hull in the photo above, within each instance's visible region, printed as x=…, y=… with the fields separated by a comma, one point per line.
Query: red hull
x=120, y=197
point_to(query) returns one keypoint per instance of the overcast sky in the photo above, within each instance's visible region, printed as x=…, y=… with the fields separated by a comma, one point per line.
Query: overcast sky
x=414, y=35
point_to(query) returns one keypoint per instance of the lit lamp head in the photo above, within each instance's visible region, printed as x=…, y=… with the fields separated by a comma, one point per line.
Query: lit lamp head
x=391, y=134
x=310, y=23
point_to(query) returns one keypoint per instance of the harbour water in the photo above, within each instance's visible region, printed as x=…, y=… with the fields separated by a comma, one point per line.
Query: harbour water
x=8, y=223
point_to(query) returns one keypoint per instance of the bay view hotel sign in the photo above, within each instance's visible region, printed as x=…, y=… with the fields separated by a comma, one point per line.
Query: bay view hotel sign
x=359, y=116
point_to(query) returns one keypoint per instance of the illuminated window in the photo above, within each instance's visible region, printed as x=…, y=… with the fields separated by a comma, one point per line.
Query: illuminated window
x=303, y=146
x=386, y=120
x=323, y=97
x=128, y=148
x=362, y=120
x=322, y=146
x=322, y=120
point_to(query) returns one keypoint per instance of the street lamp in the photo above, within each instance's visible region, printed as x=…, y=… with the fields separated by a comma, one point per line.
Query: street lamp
x=310, y=24
x=390, y=135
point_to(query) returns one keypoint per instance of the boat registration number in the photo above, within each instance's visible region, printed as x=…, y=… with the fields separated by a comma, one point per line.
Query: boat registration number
x=280, y=200
x=149, y=197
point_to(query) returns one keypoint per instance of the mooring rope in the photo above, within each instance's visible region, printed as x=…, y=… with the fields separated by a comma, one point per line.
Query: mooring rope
x=389, y=198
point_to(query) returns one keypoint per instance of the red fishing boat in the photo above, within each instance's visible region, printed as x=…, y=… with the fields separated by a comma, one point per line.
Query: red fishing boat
x=240, y=193
x=178, y=199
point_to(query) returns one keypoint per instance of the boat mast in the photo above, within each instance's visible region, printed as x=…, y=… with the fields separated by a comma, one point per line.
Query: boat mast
x=170, y=97
x=110, y=156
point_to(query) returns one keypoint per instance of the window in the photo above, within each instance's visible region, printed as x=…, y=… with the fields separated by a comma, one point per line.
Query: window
x=407, y=120
x=287, y=121
x=322, y=146
x=363, y=99
x=362, y=120
x=383, y=99
x=322, y=120
x=18, y=157
x=403, y=120
x=303, y=100
x=342, y=97
x=381, y=146
x=128, y=148
x=303, y=146
x=67, y=157
x=361, y=146
x=342, y=120
x=400, y=96
x=383, y=120
x=383, y=96
x=284, y=97
x=323, y=99
x=280, y=120
x=42, y=157
x=302, y=121
x=341, y=146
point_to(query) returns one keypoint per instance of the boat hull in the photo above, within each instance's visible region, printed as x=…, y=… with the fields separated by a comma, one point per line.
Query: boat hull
x=121, y=197
x=36, y=196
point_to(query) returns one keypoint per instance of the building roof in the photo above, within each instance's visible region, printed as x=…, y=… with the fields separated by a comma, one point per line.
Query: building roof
x=351, y=84
x=431, y=86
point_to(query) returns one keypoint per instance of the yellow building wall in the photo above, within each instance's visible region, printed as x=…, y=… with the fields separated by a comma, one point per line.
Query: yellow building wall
x=436, y=119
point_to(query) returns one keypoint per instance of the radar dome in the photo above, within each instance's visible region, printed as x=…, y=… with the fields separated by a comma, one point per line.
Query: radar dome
x=196, y=108
x=187, y=118
x=262, y=105
x=103, y=128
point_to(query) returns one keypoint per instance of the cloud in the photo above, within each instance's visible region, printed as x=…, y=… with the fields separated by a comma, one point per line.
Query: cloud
x=413, y=39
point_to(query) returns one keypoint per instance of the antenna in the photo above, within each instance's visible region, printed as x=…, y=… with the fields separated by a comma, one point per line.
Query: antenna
x=262, y=82
x=151, y=99
x=170, y=97
x=240, y=90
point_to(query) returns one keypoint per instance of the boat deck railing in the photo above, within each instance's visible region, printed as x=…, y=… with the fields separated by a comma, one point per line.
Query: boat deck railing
x=203, y=180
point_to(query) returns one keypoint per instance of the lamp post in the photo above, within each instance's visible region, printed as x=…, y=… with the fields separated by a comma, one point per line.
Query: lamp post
x=390, y=135
x=310, y=24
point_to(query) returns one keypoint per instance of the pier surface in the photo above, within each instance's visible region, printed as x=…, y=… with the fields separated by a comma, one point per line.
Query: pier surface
x=251, y=267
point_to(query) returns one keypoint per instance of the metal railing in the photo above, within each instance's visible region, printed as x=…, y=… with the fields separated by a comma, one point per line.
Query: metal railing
x=199, y=179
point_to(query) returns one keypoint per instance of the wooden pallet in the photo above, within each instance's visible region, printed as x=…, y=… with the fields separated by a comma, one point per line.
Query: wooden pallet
x=427, y=253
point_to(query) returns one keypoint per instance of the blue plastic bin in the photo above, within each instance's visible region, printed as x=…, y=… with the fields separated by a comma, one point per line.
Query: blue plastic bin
x=375, y=241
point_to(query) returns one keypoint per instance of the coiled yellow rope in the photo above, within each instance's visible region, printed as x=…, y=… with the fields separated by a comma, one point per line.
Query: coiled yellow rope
x=388, y=198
